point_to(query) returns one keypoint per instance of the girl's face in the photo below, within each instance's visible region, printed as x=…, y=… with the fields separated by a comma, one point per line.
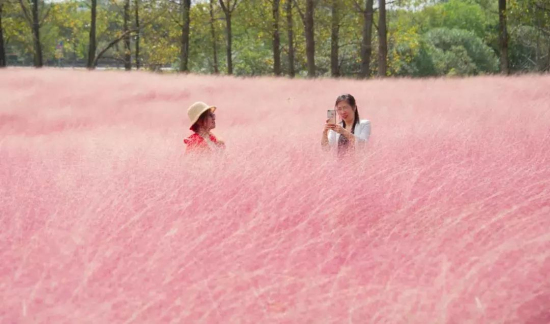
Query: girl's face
x=209, y=121
x=344, y=110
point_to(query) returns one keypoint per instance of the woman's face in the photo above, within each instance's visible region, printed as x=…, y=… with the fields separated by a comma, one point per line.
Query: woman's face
x=209, y=122
x=344, y=110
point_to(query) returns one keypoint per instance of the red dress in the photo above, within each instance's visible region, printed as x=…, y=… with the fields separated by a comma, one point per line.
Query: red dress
x=195, y=144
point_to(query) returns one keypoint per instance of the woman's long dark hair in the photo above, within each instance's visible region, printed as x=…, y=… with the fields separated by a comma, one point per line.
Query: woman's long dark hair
x=351, y=101
x=343, y=142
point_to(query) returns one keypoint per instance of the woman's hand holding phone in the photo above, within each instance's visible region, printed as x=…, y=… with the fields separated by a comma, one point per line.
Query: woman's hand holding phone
x=337, y=128
x=331, y=121
x=328, y=126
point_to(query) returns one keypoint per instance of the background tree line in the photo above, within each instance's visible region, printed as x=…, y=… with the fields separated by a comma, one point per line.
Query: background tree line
x=354, y=38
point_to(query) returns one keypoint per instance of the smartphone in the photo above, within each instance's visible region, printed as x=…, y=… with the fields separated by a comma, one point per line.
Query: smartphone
x=331, y=116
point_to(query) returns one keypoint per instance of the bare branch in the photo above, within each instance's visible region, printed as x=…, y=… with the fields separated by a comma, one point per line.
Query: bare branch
x=234, y=5
x=529, y=59
x=112, y=43
x=222, y=4
x=357, y=6
x=46, y=15
x=26, y=12
x=175, y=19
x=299, y=10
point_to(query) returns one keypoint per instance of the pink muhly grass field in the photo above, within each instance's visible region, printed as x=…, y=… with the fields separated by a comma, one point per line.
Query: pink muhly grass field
x=103, y=219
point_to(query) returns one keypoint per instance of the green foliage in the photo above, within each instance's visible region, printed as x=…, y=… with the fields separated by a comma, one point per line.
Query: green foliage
x=405, y=44
x=17, y=35
x=71, y=23
x=460, y=52
x=528, y=53
x=530, y=36
x=425, y=37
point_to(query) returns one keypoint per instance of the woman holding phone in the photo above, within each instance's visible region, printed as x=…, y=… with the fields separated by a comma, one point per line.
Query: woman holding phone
x=351, y=133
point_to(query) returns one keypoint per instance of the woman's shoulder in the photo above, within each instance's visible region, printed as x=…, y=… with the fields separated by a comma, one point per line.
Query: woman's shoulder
x=364, y=122
x=364, y=126
x=193, y=139
x=216, y=139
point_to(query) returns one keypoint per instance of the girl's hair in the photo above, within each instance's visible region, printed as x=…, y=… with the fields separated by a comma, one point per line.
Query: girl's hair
x=351, y=101
x=195, y=127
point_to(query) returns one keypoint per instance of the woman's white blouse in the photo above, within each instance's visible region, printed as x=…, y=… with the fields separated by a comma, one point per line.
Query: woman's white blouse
x=362, y=134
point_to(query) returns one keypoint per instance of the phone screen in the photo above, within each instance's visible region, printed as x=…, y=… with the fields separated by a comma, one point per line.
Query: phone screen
x=331, y=115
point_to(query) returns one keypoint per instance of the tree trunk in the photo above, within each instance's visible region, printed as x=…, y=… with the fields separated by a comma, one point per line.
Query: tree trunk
x=136, y=8
x=382, y=39
x=229, y=42
x=334, y=67
x=3, y=62
x=184, y=55
x=538, y=51
x=36, y=35
x=213, y=32
x=310, y=38
x=228, y=11
x=503, y=38
x=74, y=54
x=92, y=44
x=290, y=28
x=127, y=49
x=366, y=45
x=276, y=39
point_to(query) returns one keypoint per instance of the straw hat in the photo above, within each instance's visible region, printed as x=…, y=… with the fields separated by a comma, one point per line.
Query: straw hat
x=196, y=110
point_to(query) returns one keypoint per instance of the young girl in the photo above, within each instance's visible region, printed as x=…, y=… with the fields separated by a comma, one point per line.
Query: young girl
x=202, y=120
